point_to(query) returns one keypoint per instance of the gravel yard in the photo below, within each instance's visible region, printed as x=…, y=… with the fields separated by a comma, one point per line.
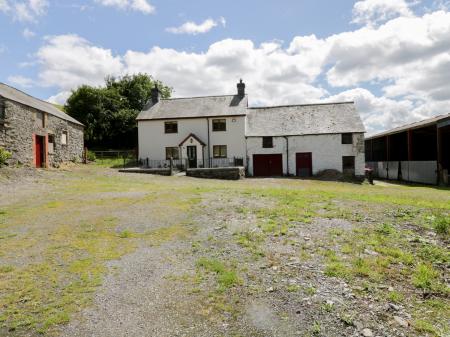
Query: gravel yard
x=87, y=251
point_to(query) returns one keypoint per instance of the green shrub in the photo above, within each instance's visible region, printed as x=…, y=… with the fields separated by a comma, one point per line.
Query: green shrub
x=4, y=156
x=425, y=277
x=442, y=225
x=91, y=156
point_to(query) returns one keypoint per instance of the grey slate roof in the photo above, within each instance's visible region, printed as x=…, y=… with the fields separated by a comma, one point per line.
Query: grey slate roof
x=15, y=95
x=308, y=119
x=194, y=107
x=416, y=125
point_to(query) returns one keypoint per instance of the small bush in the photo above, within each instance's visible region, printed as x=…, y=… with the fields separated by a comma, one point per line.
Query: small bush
x=91, y=156
x=442, y=225
x=425, y=277
x=4, y=156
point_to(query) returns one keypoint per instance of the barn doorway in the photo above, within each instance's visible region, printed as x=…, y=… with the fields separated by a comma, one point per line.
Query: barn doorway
x=267, y=165
x=39, y=155
x=304, y=164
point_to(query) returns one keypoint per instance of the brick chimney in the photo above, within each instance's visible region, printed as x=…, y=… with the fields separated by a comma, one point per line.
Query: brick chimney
x=241, y=89
x=156, y=94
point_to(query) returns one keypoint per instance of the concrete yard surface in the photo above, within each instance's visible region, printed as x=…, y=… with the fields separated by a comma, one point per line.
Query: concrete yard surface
x=89, y=251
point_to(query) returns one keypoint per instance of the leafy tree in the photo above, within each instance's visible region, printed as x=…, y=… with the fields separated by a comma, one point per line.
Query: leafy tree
x=109, y=113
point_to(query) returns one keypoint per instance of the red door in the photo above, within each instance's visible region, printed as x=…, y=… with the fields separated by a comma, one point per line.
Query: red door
x=304, y=164
x=39, y=154
x=267, y=165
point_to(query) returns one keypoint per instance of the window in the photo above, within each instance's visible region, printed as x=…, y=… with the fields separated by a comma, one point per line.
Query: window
x=2, y=109
x=219, y=125
x=220, y=151
x=267, y=142
x=348, y=163
x=172, y=152
x=64, y=137
x=40, y=119
x=347, y=138
x=51, y=143
x=171, y=127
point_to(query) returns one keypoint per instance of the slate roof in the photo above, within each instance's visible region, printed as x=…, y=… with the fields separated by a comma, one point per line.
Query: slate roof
x=18, y=96
x=194, y=107
x=309, y=119
x=416, y=125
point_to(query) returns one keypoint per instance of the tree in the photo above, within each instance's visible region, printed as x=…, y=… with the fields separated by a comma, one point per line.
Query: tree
x=109, y=113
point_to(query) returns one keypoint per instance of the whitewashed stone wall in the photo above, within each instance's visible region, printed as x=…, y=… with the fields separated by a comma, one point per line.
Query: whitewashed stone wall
x=327, y=151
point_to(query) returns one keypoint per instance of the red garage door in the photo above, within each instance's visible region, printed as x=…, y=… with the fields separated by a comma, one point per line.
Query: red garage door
x=267, y=165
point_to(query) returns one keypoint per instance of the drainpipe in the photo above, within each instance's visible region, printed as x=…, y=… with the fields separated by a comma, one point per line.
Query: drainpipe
x=209, y=147
x=287, y=154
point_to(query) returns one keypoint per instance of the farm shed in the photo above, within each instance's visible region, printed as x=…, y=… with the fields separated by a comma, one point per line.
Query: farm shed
x=417, y=152
x=36, y=132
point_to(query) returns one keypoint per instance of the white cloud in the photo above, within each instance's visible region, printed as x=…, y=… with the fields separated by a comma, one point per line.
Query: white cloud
x=4, y=6
x=59, y=98
x=194, y=28
x=30, y=10
x=28, y=34
x=21, y=81
x=371, y=12
x=138, y=5
x=406, y=59
x=68, y=61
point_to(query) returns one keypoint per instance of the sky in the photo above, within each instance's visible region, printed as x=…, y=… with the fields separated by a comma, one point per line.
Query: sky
x=392, y=57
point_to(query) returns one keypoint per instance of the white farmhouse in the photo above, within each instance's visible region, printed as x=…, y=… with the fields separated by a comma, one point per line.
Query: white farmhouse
x=222, y=131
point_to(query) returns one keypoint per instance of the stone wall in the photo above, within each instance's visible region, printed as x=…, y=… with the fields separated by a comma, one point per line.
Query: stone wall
x=226, y=173
x=16, y=135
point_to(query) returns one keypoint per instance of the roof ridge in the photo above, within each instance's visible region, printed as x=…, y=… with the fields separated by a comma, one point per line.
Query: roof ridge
x=297, y=105
x=179, y=98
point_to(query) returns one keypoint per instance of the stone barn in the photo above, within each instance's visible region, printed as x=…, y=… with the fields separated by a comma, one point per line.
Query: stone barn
x=36, y=132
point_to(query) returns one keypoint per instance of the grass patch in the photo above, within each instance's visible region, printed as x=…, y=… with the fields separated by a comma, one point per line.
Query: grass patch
x=226, y=276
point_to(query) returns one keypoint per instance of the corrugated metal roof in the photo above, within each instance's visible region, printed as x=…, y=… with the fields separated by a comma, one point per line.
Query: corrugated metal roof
x=194, y=107
x=16, y=95
x=416, y=125
x=310, y=119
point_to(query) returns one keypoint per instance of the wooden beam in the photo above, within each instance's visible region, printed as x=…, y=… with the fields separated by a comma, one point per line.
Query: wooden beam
x=410, y=146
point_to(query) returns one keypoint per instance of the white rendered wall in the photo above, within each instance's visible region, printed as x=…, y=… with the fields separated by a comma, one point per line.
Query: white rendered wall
x=327, y=151
x=153, y=141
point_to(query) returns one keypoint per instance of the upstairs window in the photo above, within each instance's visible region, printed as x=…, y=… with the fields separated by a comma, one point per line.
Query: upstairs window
x=64, y=138
x=219, y=125
x=347, y=138
x=220, y=151
x=2, y=109
x=267, y=142
x=172, y=152
x=40, y=119
x=171, y=127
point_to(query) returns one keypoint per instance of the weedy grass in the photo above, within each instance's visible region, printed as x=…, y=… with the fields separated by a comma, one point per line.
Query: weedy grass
x=54, y=249
x=226, y=276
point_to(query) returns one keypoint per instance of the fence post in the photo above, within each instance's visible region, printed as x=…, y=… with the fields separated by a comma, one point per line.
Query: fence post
x=171, y=166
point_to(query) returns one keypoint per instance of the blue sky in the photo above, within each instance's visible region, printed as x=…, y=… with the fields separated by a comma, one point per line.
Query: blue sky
x=379, y=53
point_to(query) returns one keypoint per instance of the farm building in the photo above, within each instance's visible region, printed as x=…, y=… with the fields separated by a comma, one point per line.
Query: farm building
x=418, y=152
x=36, y=132
x=222, y=131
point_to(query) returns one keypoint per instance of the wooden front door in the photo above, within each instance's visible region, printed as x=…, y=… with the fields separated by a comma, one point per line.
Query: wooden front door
x=39, y=158
x=267, y=165
x=304, y=164
x=192, y=156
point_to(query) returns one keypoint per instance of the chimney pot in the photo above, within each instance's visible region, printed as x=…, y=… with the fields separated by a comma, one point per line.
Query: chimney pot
x=156, y=94
x=241, y=89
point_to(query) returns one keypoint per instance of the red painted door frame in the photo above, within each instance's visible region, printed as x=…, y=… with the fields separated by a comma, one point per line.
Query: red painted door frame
x=40, y=157
x=304, y=164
